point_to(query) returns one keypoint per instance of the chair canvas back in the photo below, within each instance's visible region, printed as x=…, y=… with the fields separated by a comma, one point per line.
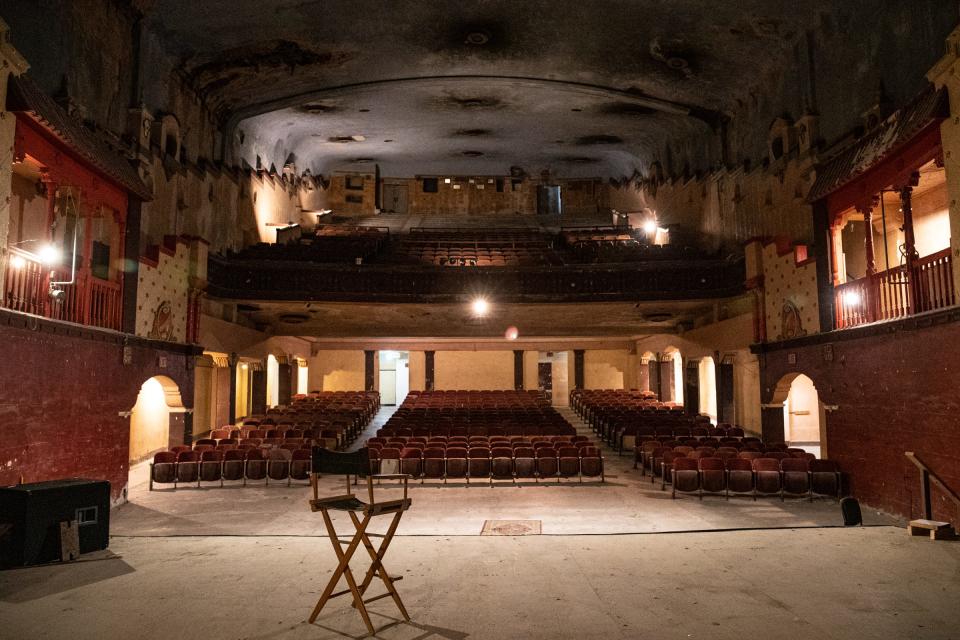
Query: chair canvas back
x=354, y=463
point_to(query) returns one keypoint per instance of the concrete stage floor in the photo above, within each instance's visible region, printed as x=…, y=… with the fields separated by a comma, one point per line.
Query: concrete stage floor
x=616, y=560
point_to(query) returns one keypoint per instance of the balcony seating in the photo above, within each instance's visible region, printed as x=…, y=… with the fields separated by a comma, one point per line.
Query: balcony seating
x=477, y=248
x=612, y=245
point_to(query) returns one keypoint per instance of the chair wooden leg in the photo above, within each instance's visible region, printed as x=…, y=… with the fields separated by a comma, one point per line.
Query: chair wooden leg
x=376, y=567
x=343, y=569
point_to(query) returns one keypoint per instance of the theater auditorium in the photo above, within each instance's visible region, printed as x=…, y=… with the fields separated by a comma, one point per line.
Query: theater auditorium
x=427, y=320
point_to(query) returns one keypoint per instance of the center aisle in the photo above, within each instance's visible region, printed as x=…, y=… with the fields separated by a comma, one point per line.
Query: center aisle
x=370, y=430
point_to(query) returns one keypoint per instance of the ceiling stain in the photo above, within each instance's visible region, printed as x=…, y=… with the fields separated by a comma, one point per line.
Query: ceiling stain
x=600, y=138
x=471, y=133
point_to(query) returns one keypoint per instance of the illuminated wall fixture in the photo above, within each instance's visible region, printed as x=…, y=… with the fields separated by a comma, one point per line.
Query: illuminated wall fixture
x=50, y=255
x=480, y=307
x=650, y=226
x=851, y=298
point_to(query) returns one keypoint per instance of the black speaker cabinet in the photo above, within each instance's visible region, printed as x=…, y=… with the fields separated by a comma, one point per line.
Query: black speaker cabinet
x=36, y=511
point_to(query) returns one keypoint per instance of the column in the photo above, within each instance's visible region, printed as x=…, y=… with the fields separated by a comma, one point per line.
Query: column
x=867, y=210
x=258, y=390
x=131, y=265
x=368, y=370
x=822, y=239
x=578, y=373
x=656, y=382
x=188, y=427
x=518, y=369
x=643, y=375
x=233, y=360
x=836, y=248
x=666, y=378
x=428, y=370
x=871, y=304
x=915, y=303
x=284, y=381
x=691, y=391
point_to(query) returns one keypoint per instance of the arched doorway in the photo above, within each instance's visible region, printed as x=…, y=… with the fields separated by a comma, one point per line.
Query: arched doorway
x=804, y=421
x=708, y=388
x=158, y=401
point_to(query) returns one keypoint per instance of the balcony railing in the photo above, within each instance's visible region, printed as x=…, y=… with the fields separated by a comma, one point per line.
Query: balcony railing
x=241, y=279
x=895, y=293
x=88, y=300
x=24, y=288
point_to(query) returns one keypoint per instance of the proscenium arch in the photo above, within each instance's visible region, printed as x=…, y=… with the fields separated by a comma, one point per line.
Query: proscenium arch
x=709, y=117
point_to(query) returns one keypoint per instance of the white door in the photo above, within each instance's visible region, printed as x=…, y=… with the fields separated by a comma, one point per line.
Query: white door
x=388, y=387
x=403, y=381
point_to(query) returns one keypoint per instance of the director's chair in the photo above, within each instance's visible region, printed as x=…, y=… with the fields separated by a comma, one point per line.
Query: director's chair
x=357, y=464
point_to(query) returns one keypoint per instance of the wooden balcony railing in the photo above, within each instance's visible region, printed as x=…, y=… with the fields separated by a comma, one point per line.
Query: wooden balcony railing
x=88, y=300
x=895, y=293
x=24, y=287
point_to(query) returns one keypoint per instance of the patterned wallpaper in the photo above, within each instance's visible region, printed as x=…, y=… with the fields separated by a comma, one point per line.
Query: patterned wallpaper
x=162, y=293
x=790, y=283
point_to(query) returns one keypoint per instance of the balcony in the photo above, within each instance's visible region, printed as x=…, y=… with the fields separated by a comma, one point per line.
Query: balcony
x=244, y=279
x=88, y=300
x=897, y=292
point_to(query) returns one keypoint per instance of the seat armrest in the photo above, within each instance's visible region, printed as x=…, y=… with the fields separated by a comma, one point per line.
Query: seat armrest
x=391, y=476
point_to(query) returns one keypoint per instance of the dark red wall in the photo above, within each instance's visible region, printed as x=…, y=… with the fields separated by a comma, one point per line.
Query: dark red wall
x=896, y=388
x=61, y=390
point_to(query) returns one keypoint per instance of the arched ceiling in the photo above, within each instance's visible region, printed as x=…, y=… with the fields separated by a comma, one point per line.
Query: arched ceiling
x=583, y=88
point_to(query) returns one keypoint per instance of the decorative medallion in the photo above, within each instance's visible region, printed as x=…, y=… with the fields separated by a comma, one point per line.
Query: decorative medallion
x=791, y=326
x=162, y=322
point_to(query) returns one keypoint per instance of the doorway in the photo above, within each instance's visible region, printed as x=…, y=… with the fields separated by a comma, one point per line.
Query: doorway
x=545, y=379
x=394, y=197
x=553, y=376
x=802, y=418
x=158, y=403
x=394, y=377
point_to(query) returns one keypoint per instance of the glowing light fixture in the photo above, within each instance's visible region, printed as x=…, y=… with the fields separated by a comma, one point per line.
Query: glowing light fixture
x=480, y=307
x=851, y=298
x=50, y=255
x=17, y=262
x=650, y=226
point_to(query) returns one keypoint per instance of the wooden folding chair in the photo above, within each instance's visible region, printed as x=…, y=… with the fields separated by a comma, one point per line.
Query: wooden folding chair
x=357, y=464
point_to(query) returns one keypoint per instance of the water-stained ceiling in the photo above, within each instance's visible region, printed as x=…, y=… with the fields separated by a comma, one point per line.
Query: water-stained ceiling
x=594, y=88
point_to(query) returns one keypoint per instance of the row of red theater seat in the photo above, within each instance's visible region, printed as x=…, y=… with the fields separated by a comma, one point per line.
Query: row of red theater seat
x=496, y=463
x=328, y=437
x=441, y=441
x=476, y=431
x=798, y=477
x=218, y=465
x=655, y=451
x=747, y=444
